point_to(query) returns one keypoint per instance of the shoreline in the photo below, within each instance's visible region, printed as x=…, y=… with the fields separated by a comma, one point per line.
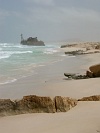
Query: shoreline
x=23, y=60
x=45, y=75
x=84, y=117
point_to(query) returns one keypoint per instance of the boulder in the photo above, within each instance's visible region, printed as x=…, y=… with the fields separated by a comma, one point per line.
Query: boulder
x=90, y=98
x=7, y=107
x=89, y=74
x=95, y=69
x=63, y=104
x=35, y=104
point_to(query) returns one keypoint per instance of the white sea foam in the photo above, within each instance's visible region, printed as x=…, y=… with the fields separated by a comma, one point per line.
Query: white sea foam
x=21, y=52
x=8, y=81
x=3, y=44
x=4, y=56
x=50, y=51
x=68, y=56
x=7, y=54
x=10, y=46
x=63, y=55
x=71, y=56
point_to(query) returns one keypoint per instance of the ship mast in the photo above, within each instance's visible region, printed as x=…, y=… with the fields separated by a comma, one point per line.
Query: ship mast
x=21, y=37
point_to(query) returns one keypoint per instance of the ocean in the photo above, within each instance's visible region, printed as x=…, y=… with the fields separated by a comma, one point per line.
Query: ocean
x=18, y=61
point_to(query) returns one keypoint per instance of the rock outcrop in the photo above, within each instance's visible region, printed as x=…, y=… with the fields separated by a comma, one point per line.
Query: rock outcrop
x=77, y=52
x=7, y=107
x=87, y=45
x=90, y=98
x=89, y=74
x=36, y=104
x=63, y=104
x=82, y=48
x=94, y=71
x=75, y=76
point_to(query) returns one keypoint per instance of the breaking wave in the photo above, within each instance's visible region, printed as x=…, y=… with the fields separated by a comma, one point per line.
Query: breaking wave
x=50, y=51
x=19, y=60
x=7, y=54
x=8, y=81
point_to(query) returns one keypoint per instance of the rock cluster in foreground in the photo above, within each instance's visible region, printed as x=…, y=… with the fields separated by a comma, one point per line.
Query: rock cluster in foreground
x=36, y=104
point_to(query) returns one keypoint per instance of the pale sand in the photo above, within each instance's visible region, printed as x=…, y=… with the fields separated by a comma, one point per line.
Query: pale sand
x=84, y=118
x=69, y=49
x=73, y=88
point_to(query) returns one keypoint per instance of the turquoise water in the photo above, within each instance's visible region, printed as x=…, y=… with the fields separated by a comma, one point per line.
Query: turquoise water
x=17, y=61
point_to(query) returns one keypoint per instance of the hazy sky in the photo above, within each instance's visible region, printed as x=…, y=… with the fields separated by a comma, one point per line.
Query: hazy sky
x=50, y=20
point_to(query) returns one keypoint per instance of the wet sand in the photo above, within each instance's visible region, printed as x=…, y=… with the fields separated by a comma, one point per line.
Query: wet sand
x=51, y=78
x=44, y=76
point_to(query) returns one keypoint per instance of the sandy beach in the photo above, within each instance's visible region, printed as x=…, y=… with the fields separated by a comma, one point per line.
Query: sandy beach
x=49, y=66
x=83, y=118
x=45, y=76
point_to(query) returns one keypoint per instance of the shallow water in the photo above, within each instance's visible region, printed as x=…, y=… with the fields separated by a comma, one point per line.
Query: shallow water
x=17, y=61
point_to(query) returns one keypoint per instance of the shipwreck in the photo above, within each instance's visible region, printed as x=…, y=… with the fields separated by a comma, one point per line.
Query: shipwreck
x=31, y=41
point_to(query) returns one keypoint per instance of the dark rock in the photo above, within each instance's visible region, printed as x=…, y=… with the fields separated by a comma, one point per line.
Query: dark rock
x=64, y=46
x=69, y=75
x=68, y=45
x=97, y=46
x=77, y=52
x=75, y=76
x=89, y=74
